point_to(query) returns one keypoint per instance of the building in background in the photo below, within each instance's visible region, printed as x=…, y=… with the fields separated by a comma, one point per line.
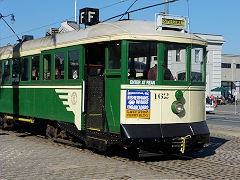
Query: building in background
x=231, y=73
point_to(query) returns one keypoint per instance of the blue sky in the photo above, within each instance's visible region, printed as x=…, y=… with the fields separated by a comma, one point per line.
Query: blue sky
x=217, y=17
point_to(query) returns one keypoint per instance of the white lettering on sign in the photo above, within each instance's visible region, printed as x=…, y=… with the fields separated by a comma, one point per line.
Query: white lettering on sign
x=81, y=17
x=143, y=82
x=90, y=15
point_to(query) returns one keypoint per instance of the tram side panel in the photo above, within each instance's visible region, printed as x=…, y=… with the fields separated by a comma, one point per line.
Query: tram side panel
x=44, y=103
x=6, y=100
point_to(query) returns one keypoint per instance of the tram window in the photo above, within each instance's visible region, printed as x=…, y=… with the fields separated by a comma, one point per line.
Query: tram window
x=6, y=73
x=47, y=67
x=35, y=68
x=175, y=62
x=142, y=61
x=197, y=64
x=15, y=70
x=24, y=69
x=73, y=64
x=114, y=55
x=0, y=71
x=59, y=65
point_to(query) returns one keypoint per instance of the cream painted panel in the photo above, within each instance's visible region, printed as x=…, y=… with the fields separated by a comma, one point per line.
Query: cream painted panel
x=160, y=108
x=168, y=116
x=197, y=107
x=73, y=100
x=123, y=107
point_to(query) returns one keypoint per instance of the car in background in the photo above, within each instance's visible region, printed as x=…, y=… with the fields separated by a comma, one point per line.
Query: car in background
x=210, y=107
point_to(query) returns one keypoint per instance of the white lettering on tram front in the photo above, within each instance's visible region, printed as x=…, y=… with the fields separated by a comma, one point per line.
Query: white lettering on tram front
x=142, y=82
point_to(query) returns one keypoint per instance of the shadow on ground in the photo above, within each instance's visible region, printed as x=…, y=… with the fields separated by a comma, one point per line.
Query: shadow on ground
x=211, y=148
x=208, y=150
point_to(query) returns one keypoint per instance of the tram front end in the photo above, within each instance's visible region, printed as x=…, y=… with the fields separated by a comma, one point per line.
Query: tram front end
x=163, y=99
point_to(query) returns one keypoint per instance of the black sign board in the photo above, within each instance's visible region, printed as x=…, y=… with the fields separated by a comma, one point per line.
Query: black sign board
x=89, y=16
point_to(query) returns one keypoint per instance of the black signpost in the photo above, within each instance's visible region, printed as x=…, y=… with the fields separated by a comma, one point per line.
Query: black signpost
x=89, y=16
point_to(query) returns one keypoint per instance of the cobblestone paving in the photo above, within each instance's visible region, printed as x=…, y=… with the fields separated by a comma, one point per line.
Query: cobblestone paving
x=26, y=157
x=22, y=158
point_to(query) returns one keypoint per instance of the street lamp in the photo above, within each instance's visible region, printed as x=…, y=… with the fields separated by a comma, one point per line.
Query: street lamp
x=12, y=20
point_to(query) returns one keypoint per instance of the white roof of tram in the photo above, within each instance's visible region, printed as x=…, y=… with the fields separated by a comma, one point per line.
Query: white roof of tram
x=126, y=29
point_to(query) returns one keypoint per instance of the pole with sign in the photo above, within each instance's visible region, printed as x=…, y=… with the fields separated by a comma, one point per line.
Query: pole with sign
x=235, y=95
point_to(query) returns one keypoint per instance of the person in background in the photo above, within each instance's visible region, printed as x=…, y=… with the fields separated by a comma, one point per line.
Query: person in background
x=212, y=97
x=208, y=100
x=229, y=98
x=223, y=100
x=152, y=73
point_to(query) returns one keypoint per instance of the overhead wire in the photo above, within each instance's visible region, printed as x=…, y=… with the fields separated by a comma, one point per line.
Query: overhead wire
x=146, y=7
x=44, y=26
x=121, y=1
x=128, y=9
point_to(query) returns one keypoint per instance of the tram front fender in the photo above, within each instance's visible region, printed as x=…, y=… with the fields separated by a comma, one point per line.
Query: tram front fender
x=130, y=131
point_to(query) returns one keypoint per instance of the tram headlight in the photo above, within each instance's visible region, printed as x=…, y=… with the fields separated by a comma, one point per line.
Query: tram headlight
x=177, y=107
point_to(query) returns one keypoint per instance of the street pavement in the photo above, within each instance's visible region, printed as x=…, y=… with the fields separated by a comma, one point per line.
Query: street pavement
x=227, y=109
x=225, y=120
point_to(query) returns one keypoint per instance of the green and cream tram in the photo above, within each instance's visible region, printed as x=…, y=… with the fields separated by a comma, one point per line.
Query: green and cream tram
x=120, y=83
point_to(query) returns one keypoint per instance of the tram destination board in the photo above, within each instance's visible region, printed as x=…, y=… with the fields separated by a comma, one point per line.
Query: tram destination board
x=173, y=22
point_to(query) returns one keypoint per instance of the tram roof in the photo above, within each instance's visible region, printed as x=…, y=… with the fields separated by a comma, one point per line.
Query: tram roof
x=102, y=32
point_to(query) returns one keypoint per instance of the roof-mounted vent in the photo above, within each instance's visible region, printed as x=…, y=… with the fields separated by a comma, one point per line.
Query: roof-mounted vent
x=27, y=38
x=51, y=31
x=68, y=26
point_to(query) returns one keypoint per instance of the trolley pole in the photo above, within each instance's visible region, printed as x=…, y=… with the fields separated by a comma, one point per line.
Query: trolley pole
x=76, y=11
x=13, y=20
x=166, y=9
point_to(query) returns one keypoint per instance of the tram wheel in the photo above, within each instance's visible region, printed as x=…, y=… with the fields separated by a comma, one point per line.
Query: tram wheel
x=51, y=132
x=1, y=123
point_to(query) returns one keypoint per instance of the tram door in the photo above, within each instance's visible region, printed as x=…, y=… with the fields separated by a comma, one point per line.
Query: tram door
x=94, y=86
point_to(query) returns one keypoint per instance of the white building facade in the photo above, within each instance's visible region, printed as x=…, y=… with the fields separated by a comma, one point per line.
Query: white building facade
x=231, y=73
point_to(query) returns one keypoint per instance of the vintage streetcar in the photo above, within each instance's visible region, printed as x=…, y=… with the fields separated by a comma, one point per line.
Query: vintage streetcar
x=129, y=83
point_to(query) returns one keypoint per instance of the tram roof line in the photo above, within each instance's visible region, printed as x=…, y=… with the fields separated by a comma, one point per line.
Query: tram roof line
x=102, y=32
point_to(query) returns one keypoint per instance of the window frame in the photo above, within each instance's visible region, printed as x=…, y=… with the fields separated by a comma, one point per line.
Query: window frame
x=203, y=83
x=9, y=82
x=66, y=51
x=67, y=67
x=160, y=55
x=204, y=58
x=113, y=72
x=229, y=65
x=30, y=65
x=188, y=61
x=54, y=64
x=29, y=70
x=141, y=42
x=1, y=72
